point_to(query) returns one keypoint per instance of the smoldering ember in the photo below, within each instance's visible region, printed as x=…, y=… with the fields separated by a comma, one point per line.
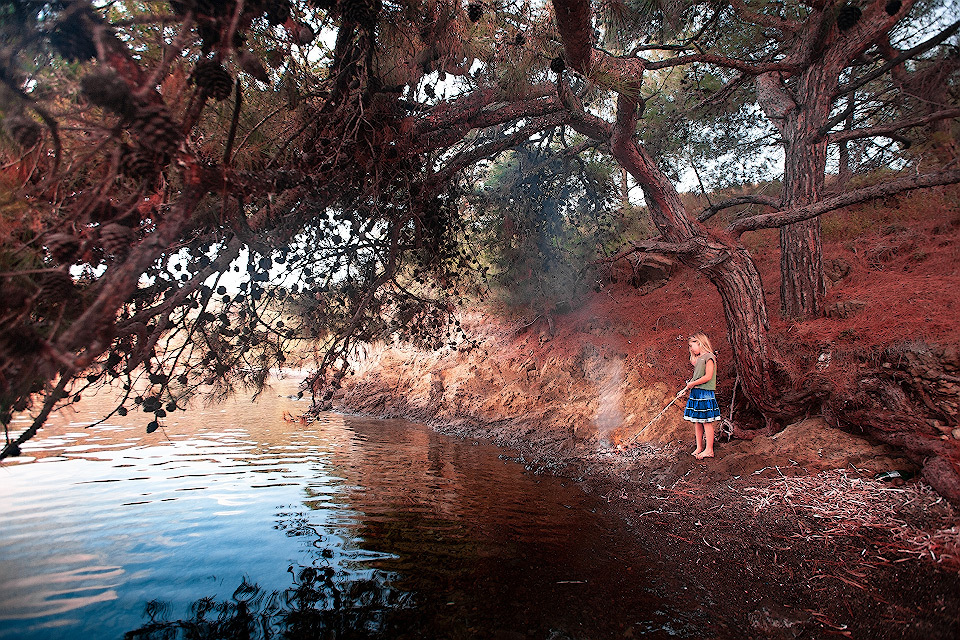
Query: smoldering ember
x=436, y=319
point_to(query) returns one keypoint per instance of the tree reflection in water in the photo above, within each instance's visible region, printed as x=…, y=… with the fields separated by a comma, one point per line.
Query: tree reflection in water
x=316, y=606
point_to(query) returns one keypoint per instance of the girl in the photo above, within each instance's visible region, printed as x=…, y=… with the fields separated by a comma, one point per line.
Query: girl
x=702, y=409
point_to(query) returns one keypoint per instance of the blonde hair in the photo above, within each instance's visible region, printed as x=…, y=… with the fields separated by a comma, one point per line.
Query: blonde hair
x=703, y=340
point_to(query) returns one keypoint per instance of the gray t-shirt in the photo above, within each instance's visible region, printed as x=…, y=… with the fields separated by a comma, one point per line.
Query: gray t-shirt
x=700, y=370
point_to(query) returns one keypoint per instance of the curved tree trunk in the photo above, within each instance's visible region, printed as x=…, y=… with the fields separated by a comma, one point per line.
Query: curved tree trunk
x=724, y=261
x=730, y=269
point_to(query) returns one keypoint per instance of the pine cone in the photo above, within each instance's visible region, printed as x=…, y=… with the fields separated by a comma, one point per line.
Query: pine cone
x=557, y=65
x=305, y=35
x=893, y=7
x=20, y=341
x=106, y=89
x=209, y=36
x=213, y=79
x=55, y=286
x=13, y=296
x=141, y=164
x=474, y=11
x=275, y=58
x=62, y=246
x=115, y=239
x=277, y=11
x=156, y=129
x=363, y=12
x=848, y=16
x=23, y=130
x=71, y=40
x=251, y=64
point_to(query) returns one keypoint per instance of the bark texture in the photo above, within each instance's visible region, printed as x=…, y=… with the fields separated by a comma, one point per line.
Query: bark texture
x=800, y=105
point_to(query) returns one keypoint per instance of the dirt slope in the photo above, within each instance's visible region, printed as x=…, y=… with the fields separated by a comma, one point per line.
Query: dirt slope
x=593, y=378
x=792, y=532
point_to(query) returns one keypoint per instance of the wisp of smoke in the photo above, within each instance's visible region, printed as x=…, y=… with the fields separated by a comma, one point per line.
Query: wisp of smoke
x=609, y=412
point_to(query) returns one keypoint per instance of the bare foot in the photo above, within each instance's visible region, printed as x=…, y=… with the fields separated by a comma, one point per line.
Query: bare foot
x=703, y=454
x=697, y=453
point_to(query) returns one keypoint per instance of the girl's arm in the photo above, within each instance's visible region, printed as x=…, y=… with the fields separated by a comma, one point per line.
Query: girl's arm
x=711, y=367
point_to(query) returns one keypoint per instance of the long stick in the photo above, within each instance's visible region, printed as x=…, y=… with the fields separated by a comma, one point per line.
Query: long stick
x=677, y=397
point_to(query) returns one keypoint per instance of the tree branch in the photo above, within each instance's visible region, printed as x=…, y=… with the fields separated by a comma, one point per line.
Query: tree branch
x=772, y=22
x=799, y=214
x=751, y=198
x=466, y=158
x=576, y=32
x=752, y=68
x=583, y=122
x=442, y=136
x=13, y=448
x=906, y=55
x=448, y=113
x=890, y=130
x=651, y=246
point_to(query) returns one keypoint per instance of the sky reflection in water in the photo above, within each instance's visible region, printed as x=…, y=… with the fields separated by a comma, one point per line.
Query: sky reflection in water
x=232, y=516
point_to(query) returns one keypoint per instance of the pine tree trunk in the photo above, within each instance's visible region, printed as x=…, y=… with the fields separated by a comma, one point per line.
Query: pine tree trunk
x=802, y=284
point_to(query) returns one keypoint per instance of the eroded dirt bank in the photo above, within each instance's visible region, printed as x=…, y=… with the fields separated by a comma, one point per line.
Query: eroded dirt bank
x=785, y=536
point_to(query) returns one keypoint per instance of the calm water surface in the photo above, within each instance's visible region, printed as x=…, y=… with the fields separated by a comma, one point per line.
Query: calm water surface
x=234, y=523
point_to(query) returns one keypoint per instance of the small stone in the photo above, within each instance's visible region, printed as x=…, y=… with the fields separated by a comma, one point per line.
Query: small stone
x=956, y=433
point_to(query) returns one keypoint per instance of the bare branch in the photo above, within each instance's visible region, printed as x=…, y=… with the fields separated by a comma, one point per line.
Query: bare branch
x=752, y=68
x=906, y=55
x=687, y=43
x=790, y=216
x=651, y=246
x=13, y=448
x=716, y=208
x=234, y=121
x=489, y=149
x=890, y=130
x=457, y=128
x=583, y=122
x=774, y=22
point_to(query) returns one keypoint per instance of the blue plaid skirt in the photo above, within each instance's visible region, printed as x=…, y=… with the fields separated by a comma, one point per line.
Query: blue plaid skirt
x=702, y=406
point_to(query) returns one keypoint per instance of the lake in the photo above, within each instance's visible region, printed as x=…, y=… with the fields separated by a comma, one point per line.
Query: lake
x=232, y=522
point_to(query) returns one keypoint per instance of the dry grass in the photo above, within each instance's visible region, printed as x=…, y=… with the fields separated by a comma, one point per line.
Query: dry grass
x=845, y=505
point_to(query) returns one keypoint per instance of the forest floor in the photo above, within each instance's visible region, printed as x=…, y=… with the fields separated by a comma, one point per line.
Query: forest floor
x=792, y=535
